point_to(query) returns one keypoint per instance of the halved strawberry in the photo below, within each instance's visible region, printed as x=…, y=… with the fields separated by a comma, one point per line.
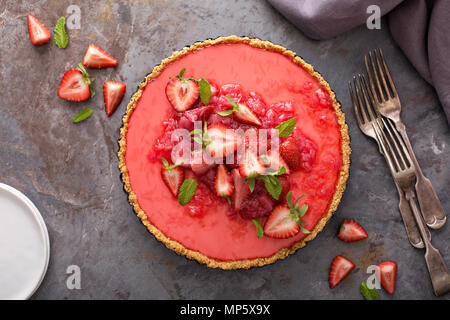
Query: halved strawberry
x=246, y=115
x=182, y=93
x=38, y=32
x=222, y=140
x=280, y=224
x=173, y=178
x=223, y=182
x=251, y=165
x=113, y=92
x=340, y=268
x=76, y=85
x=290, y=152
x=275, y=162
x=241, y=190
x=351, y=231
x=96, y=57
x=387, y=273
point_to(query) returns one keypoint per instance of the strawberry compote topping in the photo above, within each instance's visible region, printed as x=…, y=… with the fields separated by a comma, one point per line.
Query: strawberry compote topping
x=298, y=150
x=215, y=209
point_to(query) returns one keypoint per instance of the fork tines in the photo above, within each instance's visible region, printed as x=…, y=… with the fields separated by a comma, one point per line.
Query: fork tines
x=392, y=145
x=377, y=70
x=363, y=103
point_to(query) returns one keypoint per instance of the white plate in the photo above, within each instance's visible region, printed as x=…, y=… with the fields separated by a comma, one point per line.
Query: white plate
x=24, y=245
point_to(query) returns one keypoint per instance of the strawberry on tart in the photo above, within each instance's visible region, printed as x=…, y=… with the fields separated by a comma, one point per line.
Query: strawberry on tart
x=234, y=152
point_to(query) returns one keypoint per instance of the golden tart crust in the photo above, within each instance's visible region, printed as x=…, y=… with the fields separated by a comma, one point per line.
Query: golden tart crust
x=195, y=255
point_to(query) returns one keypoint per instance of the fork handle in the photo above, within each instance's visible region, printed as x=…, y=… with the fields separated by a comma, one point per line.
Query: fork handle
x=437, y=269
x=431, y=207
x=409, y=221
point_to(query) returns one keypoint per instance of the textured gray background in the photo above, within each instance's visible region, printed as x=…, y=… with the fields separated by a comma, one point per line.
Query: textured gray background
x=70, y=171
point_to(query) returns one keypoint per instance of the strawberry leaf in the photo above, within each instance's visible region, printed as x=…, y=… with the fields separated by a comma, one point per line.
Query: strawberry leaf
x=195, y=131
x=285, y=128
x=61, y=38
x=259, y=228
x=303, y=209
x=82, y=115
x=87, y=78
x=187, y=191
x=227, y=112
x=289, y=199
x=165, y=162
x=170, y=167
x=251, y=184
x=302, y=228
x=228, y=199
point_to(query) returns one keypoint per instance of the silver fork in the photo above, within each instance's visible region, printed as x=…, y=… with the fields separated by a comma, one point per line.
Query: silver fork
x=400, y=163
x=388, y=104
x=366, y=114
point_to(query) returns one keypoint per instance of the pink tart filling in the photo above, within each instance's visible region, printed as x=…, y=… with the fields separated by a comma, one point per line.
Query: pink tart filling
x=275, y=90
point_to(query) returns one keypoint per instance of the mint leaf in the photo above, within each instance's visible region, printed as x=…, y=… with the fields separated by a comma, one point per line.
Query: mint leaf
x=273, y=186
x=368, y=294
x=61, y=38
x=285, y=128
x=259, y=228
x=180, y=75
x=225, y=113
x=87, y=78
x=205, y=91
x=82, y=115
x=187, y=191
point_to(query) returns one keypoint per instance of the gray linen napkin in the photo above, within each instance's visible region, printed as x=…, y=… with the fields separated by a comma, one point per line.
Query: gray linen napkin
x=420, y=27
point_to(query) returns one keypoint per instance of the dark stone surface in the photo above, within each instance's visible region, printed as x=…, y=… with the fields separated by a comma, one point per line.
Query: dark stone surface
x=70, y=171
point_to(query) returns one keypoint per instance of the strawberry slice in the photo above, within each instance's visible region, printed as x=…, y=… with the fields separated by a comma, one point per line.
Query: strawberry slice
x=222, y=141
x=223, y=182
x=246, y=115
x=182, y=93
x=280, y=224
x=76, y=85
x=113, y=92
x=38, y=32
x=340, y=268
x=251, y=165
x=275, y=162
x=290, y=152
x=387, y=273
x=96, y=57
x=173, y=178
x=241, y=190
x=351, y=231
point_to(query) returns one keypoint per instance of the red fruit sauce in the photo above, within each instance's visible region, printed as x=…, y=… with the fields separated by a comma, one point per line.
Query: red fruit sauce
x=275, y=89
